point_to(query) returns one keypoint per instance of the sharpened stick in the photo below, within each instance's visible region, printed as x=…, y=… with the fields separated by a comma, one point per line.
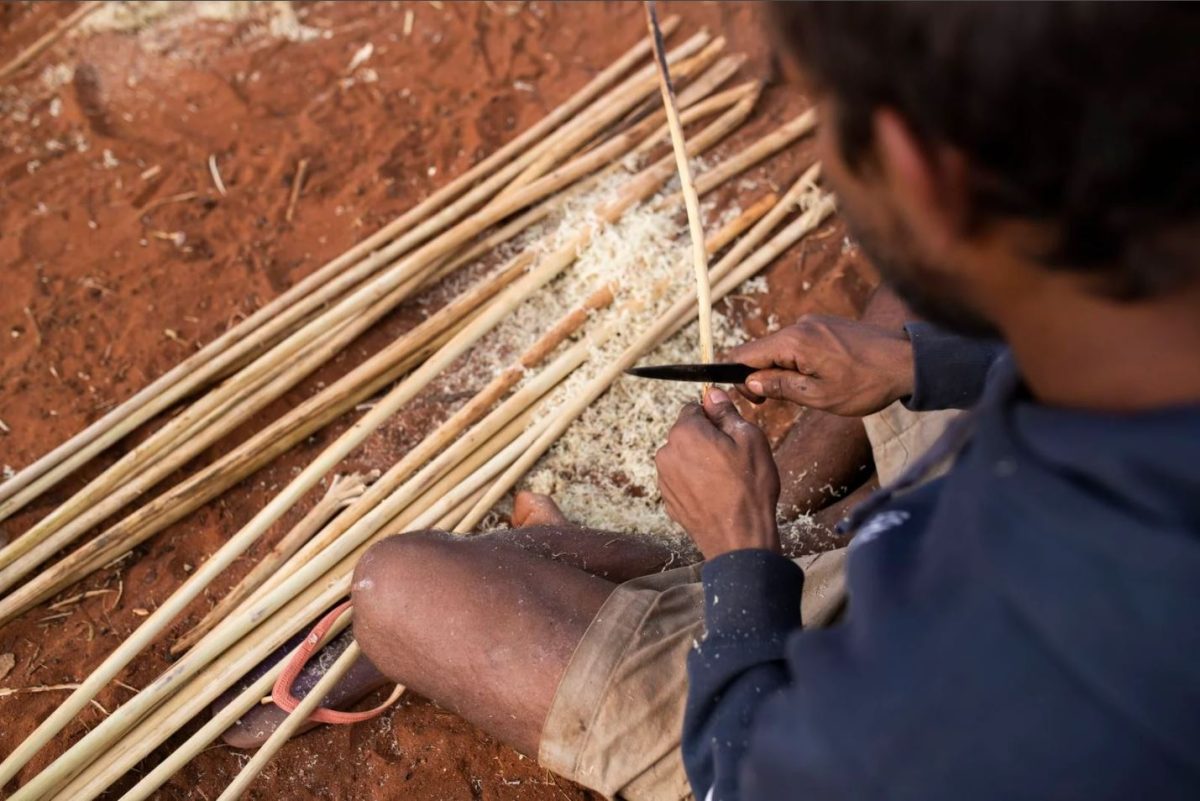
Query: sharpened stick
x=297, y=186
x=691, y=201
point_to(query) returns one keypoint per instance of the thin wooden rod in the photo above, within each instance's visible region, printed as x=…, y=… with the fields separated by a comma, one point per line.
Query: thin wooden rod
x=46, y=40
x=193, y=438
x=764, y=148
x=56, y=540
x=44, y=537
x=47, y=581
x=292, y=723
x=691, y=200
x=343, y=491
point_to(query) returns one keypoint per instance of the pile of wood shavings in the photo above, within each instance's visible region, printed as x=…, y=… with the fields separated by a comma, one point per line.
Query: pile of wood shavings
x=601, y=472
x=277, y=18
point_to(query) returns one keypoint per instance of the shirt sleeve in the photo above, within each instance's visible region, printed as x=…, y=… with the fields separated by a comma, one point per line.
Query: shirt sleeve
x=949, y=370
x=752, y=604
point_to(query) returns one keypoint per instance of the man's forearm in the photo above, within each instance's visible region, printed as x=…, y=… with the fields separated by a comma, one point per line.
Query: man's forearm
x=752, y=604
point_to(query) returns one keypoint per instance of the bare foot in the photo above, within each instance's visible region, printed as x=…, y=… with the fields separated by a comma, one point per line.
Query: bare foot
x=535, y=509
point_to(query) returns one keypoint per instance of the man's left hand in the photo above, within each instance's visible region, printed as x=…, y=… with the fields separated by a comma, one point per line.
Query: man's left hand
x=718, y=478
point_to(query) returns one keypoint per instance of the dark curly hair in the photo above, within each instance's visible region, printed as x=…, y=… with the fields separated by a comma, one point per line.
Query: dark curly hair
x=1083, y=115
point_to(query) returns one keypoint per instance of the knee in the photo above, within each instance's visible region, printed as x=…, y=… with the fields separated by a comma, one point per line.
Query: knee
x=394, y=583
x=398, y=564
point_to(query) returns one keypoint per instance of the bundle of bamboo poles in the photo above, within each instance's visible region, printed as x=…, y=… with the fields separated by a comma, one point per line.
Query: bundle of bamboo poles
x=450, y=479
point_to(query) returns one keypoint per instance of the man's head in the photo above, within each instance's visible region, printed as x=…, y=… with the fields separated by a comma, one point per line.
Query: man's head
x=981, y=151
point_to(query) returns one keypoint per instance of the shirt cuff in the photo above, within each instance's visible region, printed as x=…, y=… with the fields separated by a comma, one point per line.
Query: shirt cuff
x=752, y=593
x=949, y=370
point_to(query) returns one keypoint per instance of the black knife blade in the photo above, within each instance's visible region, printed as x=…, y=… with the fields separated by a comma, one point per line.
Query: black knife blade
x=703, y=373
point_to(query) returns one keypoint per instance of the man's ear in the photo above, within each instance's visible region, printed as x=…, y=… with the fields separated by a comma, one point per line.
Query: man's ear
x=929, y=184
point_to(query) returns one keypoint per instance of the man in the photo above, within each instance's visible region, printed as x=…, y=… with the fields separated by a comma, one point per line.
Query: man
x=1026, y=624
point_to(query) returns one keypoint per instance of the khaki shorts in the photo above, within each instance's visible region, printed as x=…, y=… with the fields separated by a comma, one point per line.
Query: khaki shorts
x=615, y=722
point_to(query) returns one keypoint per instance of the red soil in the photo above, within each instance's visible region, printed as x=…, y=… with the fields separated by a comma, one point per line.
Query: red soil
x=98, y=299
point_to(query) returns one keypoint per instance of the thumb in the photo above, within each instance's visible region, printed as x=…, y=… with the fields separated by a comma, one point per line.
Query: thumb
x=786, y=385
x=720, y=410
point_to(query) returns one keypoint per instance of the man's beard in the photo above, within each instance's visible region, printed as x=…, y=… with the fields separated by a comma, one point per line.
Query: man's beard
x=930, y=293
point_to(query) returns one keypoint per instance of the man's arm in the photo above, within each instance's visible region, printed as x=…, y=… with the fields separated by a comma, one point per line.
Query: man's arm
x=752, y=593
x=752, y=604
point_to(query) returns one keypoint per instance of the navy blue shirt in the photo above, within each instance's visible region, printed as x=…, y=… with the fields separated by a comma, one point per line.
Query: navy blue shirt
x=1027, y=626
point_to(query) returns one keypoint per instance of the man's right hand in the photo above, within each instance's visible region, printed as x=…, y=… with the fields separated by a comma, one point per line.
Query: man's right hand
x=829, y=363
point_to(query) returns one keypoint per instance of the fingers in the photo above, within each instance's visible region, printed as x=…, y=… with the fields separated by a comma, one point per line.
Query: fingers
x=782, y=385
x=770, y=351
x=693, y=424
x=721, y=412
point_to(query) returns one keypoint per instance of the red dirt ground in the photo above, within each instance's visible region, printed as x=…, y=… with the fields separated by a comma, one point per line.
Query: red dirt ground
x=97, y=299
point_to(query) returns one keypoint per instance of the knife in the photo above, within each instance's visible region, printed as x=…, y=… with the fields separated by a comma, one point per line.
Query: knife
x=705, y=373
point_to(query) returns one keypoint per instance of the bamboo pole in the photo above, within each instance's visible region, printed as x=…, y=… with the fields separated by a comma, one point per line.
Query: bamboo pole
x=46, y=40
x=637, y=189
x=64, y=573
x=67, y=570
x=768, y=146
x=535, y=133
x=195, y=491
x=196, y=436
x=292, y=723
x=45, y=537
x=691, y=200
x=54, y=579
x=342, y=492
x=325, y=284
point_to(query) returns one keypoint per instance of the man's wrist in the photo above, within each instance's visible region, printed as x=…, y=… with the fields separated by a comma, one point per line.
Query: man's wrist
x=766, y=539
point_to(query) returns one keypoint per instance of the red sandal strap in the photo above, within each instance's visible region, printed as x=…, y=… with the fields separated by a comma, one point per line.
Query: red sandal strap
x=281, y=693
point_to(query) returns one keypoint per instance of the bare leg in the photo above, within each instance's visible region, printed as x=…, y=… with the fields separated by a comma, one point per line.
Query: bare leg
x=486, y=625
x=612, y=558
